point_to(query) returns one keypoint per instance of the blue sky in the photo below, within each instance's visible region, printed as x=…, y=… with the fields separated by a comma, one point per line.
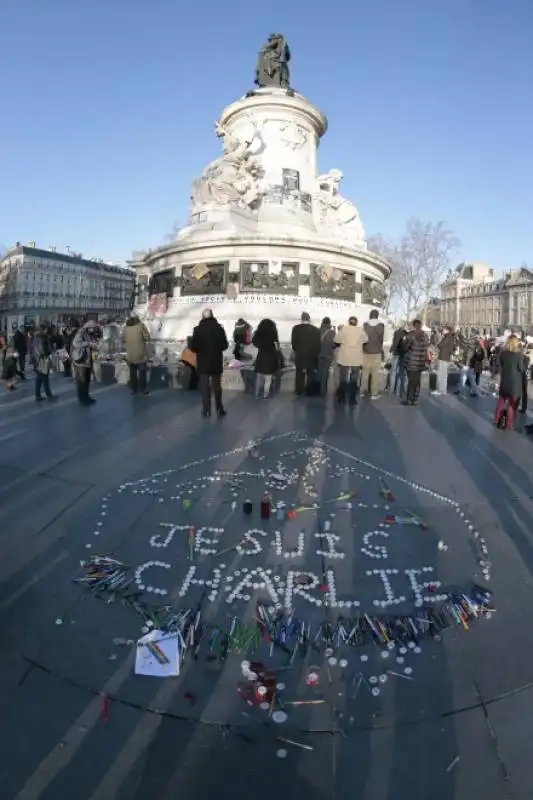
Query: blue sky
x=108, y=109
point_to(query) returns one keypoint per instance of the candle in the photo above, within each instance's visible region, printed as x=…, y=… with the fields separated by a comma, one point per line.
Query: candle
x=265, y=506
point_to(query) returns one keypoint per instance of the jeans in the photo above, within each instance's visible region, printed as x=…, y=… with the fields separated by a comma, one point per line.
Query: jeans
x=400, y=379
x=348, y=384
x=413, y=386
x=208, y=382
x=138, y=378
x=324, y=365
x=263, y=384
x=371, y=373
x=467, y=374
x=392, y=375
x=42, y=381
x=83, y=378
x=22, y=364
x=442, y=376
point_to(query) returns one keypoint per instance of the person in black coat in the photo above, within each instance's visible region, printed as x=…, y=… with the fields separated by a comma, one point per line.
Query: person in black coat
x=397, y=369
x=511, y=371
x=20, y=345
x=242, y=336
x=68, y=338
x=305, y=342
x=415, y=361
x=477, y=359
x=209, y=341
x=9, y=372
x=42, y=350
x=268, y=359
x=525, y=378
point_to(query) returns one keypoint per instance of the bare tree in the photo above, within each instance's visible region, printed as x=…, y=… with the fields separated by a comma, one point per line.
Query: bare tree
x=420, y=259
x=383, y=247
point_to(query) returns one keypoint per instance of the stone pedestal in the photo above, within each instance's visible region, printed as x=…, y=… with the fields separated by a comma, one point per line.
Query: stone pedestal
x=267, y=235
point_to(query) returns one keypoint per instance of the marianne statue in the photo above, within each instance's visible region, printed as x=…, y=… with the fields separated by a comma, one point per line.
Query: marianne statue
x=273, y=63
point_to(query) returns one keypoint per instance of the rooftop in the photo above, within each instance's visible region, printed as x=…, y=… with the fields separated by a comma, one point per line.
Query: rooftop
x=70, y=257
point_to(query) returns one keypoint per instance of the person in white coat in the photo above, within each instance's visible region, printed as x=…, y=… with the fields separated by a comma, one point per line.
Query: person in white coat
x=350, y=340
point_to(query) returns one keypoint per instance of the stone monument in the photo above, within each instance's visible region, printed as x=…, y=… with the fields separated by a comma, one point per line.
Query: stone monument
x=267, y=233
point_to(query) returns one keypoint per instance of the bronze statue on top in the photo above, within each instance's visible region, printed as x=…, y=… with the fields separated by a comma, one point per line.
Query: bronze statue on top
x=273, y=63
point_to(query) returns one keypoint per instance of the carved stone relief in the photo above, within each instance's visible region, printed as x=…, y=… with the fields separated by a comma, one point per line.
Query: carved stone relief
x=293, y=136
x=335, y=214
x=233, y=178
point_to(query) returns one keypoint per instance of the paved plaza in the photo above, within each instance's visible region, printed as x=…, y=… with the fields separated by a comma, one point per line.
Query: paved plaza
x=386, y=596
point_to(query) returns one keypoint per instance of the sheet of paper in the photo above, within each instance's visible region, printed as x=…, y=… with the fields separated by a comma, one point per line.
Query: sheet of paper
x=146, y=662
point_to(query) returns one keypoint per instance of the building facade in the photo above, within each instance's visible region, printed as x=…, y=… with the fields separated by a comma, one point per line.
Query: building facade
x=473, y=299
x=39, y=285
x=429, y=313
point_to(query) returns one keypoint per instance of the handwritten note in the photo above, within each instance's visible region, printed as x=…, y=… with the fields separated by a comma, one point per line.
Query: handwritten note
x=158, y=655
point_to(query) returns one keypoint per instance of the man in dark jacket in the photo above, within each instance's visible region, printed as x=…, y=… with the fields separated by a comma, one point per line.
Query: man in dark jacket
x=42, y=350
x=525, y=378
x=445, y=350
x=325, y=357
x=305, y=342
x=83, y=344
x=20, y=345
x=209, y=341
x=68, y=338
x=373, y=355
x=397, y=368
x=415, y=361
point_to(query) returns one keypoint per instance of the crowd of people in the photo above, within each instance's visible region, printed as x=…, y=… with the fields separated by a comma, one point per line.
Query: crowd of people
x=354, y=354
x=44, y=347
x=507, y=359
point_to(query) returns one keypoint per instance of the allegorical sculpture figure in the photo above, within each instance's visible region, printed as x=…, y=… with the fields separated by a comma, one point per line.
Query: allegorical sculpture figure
x=231, y=179
x=273, y=63
x=334, y=213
